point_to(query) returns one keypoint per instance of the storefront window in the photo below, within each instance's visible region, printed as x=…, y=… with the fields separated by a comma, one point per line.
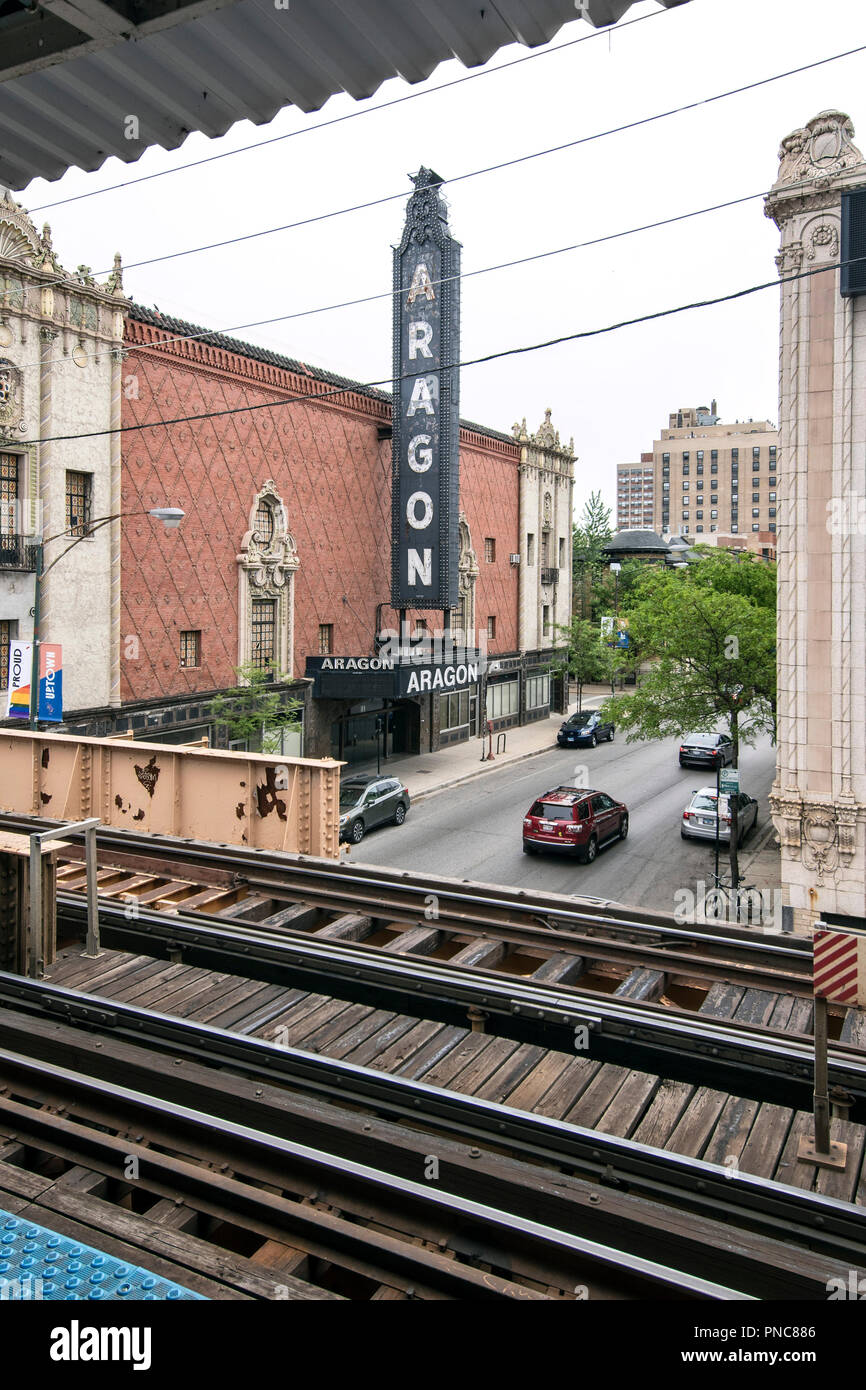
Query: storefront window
x=454, y=710
x=537, y=691
x=503, y=698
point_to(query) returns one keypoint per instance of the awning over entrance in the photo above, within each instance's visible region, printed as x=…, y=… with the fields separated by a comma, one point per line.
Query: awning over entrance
x=365, y=677
x=72, y=71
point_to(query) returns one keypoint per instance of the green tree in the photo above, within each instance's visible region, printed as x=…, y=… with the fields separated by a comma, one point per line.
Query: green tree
x=590, y=535
x=711, y=630
x=248, y=710
x=584, y=652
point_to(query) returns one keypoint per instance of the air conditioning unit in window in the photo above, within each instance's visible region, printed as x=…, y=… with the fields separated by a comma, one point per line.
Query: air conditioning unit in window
x=515, y=559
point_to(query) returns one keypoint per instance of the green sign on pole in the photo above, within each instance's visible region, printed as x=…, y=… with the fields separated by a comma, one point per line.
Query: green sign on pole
x=729, y=779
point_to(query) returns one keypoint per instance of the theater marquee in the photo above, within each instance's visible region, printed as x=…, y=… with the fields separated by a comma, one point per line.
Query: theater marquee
x=371, y=677
x=426, y=421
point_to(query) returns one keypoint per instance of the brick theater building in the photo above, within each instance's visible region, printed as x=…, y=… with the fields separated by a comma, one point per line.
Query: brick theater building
x=283, y=560
x=283, y=555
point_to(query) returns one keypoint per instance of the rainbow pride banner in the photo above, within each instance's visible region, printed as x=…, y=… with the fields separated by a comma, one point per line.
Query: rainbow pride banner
x=18, y=698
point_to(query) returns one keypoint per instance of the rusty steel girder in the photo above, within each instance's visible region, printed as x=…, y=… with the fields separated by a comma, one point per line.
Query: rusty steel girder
x=254, y=799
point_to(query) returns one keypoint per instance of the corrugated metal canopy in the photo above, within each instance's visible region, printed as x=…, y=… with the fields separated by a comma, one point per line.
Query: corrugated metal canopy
x=72, y=71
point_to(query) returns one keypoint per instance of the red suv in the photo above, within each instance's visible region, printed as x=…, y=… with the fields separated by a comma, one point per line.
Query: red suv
x=575, y=819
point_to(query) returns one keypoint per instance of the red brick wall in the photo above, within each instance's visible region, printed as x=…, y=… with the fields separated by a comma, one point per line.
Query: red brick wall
x=331, y=471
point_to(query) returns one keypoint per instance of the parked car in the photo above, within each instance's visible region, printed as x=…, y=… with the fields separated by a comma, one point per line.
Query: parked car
x=699, y=817
x=706, y=750
x=576, y=820
x=367, y=801
x=586, y=726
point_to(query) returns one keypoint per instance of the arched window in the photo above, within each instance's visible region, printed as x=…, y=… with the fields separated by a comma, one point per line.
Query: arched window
x=267, y=563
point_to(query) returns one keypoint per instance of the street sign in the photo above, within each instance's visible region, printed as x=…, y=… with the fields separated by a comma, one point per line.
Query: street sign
x=729, y=779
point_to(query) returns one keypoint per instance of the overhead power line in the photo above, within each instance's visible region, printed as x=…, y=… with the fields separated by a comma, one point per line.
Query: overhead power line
x=352, y=115
x=355, y=386
x=517, y=261
x=494, y=168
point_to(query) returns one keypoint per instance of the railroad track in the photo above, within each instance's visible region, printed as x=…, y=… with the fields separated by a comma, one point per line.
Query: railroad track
x=768, y=1064
x=248, y=1171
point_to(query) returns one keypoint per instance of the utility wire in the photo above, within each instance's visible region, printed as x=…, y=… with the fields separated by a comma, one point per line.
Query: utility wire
x=356, y=386
x=489, y=168
x=206, y=333
x=351, y=115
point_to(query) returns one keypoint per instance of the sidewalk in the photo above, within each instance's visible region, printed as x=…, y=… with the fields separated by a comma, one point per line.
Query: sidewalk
x=424, y=774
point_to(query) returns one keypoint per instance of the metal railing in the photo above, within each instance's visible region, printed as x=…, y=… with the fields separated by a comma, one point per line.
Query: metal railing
x=17, y=553
x=549, y=576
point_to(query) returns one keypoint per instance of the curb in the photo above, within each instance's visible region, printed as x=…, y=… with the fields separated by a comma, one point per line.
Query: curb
x=508, y=760
x=472, y=776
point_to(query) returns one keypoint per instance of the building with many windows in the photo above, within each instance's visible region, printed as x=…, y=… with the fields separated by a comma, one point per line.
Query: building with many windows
x=60, y=368
x=635, y=494
x=713, y=477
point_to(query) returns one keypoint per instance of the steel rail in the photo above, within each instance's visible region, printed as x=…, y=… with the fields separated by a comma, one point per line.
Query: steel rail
x=827, y=1226
x=388, y=1185
x=754, y=1062
x=381, y=891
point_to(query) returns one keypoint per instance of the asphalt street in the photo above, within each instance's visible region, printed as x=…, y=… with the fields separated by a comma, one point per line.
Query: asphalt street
x=475, y=831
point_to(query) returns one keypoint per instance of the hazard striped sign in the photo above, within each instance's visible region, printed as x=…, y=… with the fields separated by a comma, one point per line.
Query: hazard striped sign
x=839, y=966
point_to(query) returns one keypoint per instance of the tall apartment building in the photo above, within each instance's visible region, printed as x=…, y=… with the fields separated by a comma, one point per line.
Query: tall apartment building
x=715, y=477
x=634, y=494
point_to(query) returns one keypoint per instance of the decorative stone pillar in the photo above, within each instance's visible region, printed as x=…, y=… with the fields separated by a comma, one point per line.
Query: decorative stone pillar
x=818, y=799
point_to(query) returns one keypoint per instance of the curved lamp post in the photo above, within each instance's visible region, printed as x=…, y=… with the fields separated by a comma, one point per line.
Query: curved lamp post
x=170, y=518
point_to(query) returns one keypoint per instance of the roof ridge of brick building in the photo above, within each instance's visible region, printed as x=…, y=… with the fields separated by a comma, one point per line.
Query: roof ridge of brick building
x=213, y=338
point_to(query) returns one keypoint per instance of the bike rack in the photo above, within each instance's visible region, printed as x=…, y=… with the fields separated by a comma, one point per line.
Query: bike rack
x=502, y=748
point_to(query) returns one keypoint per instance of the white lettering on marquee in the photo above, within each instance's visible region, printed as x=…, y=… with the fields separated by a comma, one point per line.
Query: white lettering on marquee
x=426, y=453
x=420, y=334
x=421, y=398
x=420, y=569
x=421, y=284
x=419, y=499
x=442, y=676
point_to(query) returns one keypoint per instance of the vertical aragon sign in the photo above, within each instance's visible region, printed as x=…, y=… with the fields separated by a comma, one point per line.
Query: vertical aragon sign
x=426, y=420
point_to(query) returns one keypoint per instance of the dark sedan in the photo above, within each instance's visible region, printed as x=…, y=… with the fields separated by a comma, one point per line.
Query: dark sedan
x=586, y=726
x=706, y=750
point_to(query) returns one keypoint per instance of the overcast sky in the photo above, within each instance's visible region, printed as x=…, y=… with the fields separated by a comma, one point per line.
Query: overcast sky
x=612, y=393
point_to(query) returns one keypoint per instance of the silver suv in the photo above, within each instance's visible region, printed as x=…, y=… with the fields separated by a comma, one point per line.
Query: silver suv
x=368, y=801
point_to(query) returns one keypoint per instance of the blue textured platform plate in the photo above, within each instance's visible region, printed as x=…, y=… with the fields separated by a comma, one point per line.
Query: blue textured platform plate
x=37, y=1264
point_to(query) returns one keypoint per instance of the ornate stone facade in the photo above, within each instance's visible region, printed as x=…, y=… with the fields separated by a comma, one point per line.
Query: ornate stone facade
x=60, y=353
x=546, y=506
x=819, y=795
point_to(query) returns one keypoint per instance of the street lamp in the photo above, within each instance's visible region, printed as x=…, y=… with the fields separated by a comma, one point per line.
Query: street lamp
x=170, y=518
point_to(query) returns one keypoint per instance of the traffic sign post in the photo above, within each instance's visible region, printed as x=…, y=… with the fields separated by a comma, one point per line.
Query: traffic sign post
x=839, y=974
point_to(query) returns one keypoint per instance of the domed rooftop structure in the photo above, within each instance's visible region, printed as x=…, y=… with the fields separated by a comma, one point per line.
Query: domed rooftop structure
x=636, y=545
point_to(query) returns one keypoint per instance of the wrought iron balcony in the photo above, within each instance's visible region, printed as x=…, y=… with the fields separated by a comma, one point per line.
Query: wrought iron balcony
x=17, y=553
x=549, y=576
